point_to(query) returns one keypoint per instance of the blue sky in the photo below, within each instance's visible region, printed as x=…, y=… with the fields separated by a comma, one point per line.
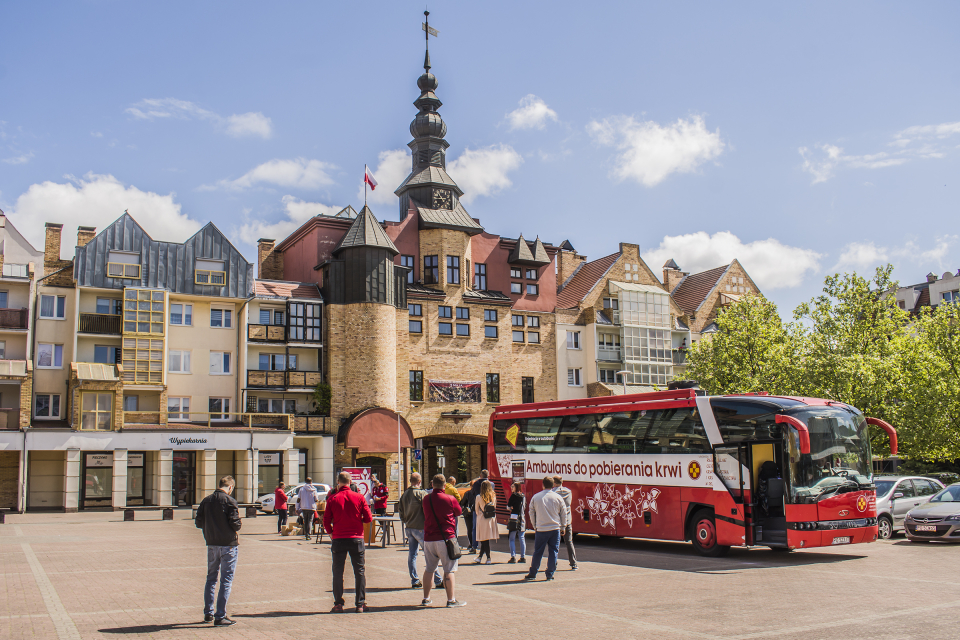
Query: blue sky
x=800, y=139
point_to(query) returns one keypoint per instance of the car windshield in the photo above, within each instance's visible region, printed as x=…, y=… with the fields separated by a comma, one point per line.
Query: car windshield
x=883, y=487
x=839, y=456
x=950, y=494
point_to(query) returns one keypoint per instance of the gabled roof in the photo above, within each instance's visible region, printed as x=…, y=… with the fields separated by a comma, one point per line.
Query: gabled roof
x=602, y=318
x=690, y=293
x=366, y=232
x=282, y=290
x=583, y=281
x=671, y=264
x=428, y=175
x=346, y=212
x=566, y=246
x=711, y=328
x=457, y=219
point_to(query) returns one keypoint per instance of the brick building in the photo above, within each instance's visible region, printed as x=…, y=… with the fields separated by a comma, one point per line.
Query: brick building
x=702, y=296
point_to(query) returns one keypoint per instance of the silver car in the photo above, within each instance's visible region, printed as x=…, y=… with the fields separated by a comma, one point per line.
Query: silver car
x=896, y=495
x=938, y=519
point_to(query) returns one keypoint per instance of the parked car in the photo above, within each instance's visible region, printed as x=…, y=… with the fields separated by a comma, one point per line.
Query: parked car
x=266, y=500
x=938, y=519
x=896, y=495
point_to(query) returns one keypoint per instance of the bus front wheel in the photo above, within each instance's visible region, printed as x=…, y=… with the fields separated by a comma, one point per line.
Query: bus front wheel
x=703, y=532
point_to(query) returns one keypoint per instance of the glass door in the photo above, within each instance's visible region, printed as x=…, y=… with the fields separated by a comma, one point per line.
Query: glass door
x=96, y=490
x=184, y=478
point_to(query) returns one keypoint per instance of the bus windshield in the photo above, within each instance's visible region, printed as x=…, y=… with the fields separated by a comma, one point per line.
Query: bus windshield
x=839, y=459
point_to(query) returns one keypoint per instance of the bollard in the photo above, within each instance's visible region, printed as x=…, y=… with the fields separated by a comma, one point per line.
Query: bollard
x=251, y=512
x=168, y=514
x=128, y=515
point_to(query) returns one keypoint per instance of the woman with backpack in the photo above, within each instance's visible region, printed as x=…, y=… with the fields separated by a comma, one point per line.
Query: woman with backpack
x=517, y=526
x=485, y=513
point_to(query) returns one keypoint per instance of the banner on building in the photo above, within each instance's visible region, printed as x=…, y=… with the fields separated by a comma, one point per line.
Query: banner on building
x=444, y=391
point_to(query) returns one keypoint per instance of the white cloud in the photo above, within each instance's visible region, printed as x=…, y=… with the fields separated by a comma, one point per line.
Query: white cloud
x=650, y=152
x=296, y=212
x=866, y=255
x=253, y=123
x=533, y=113
x=483, y=172
x=771, y=264
x=299, y=173
x=927, y=131
x=392, y=167
x=97, y=200
x=21, y=159
x=860, y=255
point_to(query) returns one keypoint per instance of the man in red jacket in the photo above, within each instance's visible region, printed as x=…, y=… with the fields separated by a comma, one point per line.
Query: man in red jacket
x=380, y=495
x=440, y=513
x=343, y=521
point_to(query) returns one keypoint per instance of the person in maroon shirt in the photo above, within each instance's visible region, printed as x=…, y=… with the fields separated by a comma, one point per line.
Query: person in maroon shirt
x=280, y=505
x=380, y=494
x=343, y=521
x=440, y=513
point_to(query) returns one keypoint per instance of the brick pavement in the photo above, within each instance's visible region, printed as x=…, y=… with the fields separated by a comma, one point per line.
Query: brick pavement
x=90, y=575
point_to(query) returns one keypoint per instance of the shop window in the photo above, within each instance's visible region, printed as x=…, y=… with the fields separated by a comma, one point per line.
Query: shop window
x=493, y=387
x=416, y=386
x=407, y=261
x=178, y=408
x=220, y=363
x=96, y=411
x=219, y=408
x=453, y=269
x=490, y=331
x=47, y=405
x=221, y=318
x=53, y=307
x=431, y=270
x=489, y=315
x=480, y=277
x=49, y=356
x=181, y=314
x=414, y=309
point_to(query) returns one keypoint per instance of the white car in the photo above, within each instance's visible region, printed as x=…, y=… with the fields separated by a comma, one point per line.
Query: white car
x=266, y=500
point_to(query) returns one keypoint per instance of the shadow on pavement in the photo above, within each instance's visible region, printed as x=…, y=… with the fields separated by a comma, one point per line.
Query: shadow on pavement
x=157, y=628
x=276, y=614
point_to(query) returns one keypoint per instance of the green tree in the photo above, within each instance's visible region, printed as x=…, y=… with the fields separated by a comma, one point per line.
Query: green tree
x=321, y=399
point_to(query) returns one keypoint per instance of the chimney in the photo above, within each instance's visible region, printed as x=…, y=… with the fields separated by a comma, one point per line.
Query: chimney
x=51, y=248
x=567, y=263
x=269, y=261
x=85, y=235
x=672, y=275
x=931, y=277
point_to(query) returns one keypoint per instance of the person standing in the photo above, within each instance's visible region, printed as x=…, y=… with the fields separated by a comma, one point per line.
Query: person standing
x=517, y=526
x=440, y=513
x=485, y=517
x=410, y=510
x=280, y=505
x=548, y=515
x=307, y=506
x=566, y=534
x=477, y=488
x=219, y=518
x=380, y=494
x=466, y=507
x=451, y=488
x=343, y=520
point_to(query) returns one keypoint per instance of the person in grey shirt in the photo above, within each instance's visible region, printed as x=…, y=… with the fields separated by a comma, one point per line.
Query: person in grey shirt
x=410, y=510
x=566, y=534
x=307, y=506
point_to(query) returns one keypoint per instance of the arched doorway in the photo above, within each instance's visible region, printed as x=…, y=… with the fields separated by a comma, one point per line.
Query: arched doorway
x=377, y=464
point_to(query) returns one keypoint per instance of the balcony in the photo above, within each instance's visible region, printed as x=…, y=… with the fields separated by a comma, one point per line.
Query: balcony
x=679, y=356
x=100, y=323
x=141, y=417
x=266, y=332
x=608, y=354
x=283, y=379
x=9, y=419
x=13, y=318
x=321, y=425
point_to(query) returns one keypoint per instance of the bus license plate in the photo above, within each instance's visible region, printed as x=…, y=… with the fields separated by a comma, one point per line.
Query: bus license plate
x=926, y=527
x=842, y=540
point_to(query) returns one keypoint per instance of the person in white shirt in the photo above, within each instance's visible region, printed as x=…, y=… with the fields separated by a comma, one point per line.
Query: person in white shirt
x=307, y=506
x=548, y=516
x=566, y=534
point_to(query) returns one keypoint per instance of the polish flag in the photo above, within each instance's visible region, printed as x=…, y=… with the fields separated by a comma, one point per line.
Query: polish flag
x=368, y=178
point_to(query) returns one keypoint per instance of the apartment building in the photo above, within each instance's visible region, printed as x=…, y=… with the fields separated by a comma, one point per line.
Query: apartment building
x=931, y=293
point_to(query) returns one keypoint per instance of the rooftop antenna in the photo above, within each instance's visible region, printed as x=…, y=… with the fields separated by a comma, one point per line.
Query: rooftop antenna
x=427, y=32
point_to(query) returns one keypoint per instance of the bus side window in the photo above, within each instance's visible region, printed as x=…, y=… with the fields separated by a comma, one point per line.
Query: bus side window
x=622, y=432
x=739, y=420
x=576, y=433
x=676, y=431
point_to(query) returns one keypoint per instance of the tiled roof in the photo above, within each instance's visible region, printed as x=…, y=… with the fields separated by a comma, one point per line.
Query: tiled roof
x=281, y=289
x=365, y=232
x=693, y=290
x=457, y=219
x=923, y=300
x=583, y=281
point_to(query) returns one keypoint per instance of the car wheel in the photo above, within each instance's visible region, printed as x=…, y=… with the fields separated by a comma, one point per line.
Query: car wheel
x=703, y=532
x=884, y=528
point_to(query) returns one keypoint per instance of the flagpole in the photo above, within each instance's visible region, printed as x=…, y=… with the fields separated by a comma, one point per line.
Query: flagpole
x=364, y=185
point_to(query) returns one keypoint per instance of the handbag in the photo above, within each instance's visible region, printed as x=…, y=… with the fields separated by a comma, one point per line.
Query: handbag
x=513, y=525
x=453, y=547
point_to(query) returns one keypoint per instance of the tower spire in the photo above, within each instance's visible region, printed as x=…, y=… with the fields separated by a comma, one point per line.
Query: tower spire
x=427, y=32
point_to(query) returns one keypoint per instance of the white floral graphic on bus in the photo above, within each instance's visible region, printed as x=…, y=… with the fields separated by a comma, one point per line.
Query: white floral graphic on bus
x=608, y=503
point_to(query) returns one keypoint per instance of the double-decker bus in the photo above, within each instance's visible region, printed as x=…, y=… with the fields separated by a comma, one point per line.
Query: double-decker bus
x=750, y=470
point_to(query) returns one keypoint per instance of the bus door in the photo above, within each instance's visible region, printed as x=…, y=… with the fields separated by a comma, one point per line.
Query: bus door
x=769, y=517
x=732, y=464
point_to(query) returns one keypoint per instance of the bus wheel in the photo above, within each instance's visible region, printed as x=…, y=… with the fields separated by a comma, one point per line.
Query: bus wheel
x=704, y=535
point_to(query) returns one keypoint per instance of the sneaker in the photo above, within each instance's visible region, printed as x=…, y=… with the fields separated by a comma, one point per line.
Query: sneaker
x=208, y=617
x=223, y=622
x=523, y=560
x=529, y=577
x=416, y=585
x=337, y=608
x=471, y=551
x=438, y=585
x=455, y=603
x=489, y=561
x=426, y=602
x=573, y=567
x=363, y=609
x=478, y=560
x=549, y=578
x=512, y=560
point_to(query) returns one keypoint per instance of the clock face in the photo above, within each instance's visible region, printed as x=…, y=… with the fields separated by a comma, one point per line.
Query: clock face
x=442, y=199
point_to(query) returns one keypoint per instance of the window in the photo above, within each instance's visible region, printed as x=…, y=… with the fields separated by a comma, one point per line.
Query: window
x=533, y=321
x=415, y=309
x=108, y=306
x=121, y=264
x=431, y=271
x=573, y=339
x=533, y=289
x=305, y=321
x=143, y=313
x=493, y=387
x=906, y=488
x=210, y=272
x=490, y=331
x=573, y=378
x=178, y=361
x=416, y=326
x=407, y=261
x=181, y=314
x=518, y=336
x=444, y=312
x=608, y=376
x=948, y=296
x=47, y=405
x=480, y=277
x=131, y=403
x=277, y=362
x=416, y=386
x=463, y=313
x=178, y=408
x=515, y=272
x=219, y=408
x=105, y=354
x=96, y=411
x=3, y=299
x=222, y=318
x=526, y=390
x=49, y=356
x=516, y=287
x=445, y=329
x=3, y=349
x=533, y=337
x=53, y=307
x=531, y=274
x=901, y=304
x=12, y=270
x=489, y=315
x=274, y=405
x=265, y=316
x=219, y=363
x=608, y=341
x=453, y=269
x=463, y=330
x=516, y=321
x=925, y=487
x=611, y=303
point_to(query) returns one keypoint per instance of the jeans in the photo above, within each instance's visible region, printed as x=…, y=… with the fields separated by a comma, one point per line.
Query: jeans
x=307, y=522
x=476, y=521
x=514, y=537
x=222, y=560
x=568, y=540
x=549, y=540
x=281, y=518
x=471, y=532
x=339, y=549
x=414, y=542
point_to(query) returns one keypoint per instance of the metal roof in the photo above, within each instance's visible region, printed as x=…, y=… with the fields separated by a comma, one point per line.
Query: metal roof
x=523, y=254
x=487, y=296
x=429, y=175
x=365, y=232
x=456, y=218
x=634, y=286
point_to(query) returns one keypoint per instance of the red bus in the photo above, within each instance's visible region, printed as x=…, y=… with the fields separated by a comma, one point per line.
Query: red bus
x=738, y=470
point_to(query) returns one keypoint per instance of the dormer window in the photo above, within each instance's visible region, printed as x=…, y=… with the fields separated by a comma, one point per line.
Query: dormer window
x=210, y=272
x=123, y=264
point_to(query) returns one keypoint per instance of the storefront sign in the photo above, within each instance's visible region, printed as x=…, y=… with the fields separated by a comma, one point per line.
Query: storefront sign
x=269, y=459
x=361, y=477
x=135, y=460
x=100, y=460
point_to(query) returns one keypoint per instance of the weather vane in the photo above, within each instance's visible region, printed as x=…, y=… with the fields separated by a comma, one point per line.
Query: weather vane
x=427, y=32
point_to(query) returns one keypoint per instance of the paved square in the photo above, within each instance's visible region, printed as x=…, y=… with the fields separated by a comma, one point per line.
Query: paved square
x=91, y=575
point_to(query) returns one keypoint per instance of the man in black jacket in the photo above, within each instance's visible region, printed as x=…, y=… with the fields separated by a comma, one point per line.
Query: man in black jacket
x=219, y=518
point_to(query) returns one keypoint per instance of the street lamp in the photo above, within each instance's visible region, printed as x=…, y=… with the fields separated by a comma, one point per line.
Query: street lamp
x=623, y=378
